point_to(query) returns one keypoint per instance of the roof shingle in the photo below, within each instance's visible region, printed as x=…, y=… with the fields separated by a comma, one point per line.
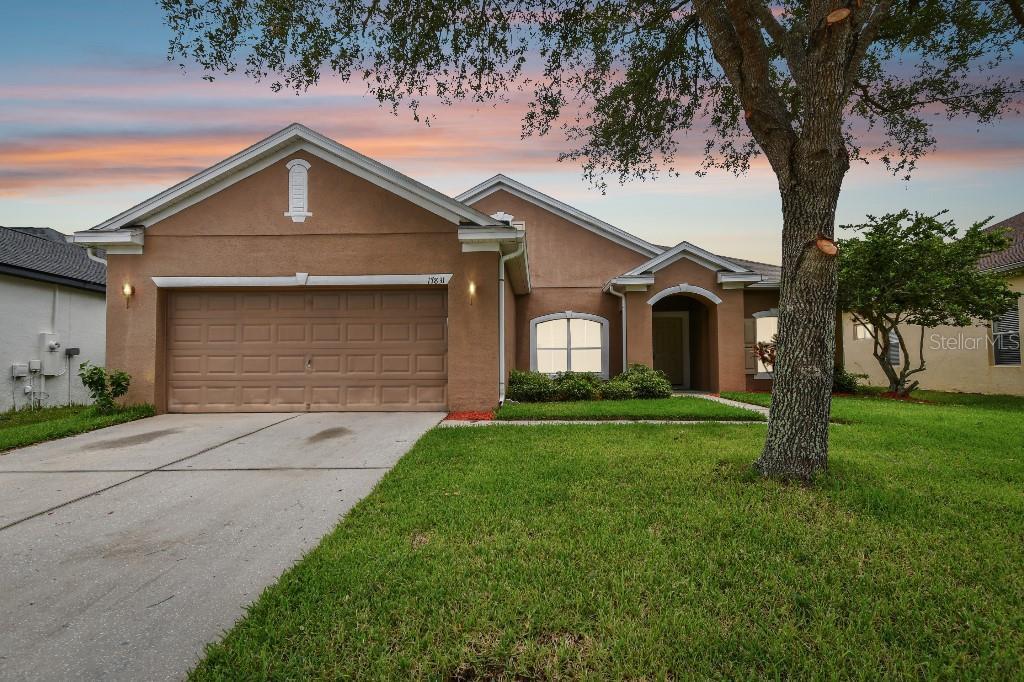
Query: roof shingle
x=1013, y=256
x=36, y=250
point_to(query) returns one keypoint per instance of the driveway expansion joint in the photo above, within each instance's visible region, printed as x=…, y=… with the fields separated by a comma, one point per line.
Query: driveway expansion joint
x=139, y=475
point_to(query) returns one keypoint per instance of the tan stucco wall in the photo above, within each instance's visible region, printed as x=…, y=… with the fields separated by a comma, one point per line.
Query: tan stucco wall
x=357, y=228
x=957, y=358
x=569, y=266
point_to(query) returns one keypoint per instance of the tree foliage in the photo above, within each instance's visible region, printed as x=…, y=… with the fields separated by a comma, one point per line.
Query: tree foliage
x=623, y=78
x=913, y=269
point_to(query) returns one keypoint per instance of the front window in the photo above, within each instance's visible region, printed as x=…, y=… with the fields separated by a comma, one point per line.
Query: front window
x=570, y=342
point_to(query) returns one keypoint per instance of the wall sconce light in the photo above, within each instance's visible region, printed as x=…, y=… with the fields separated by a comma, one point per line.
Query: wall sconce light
x=128, y=290
x=472, y=292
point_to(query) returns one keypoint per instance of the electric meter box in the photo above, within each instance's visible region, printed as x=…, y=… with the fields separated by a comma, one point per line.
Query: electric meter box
x=51, y=354
x=19, y=370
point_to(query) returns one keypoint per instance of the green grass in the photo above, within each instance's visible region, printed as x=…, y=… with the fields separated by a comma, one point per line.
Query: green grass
x=847, y=406
x=682, y=409
x=26, y=427
x=652, y=552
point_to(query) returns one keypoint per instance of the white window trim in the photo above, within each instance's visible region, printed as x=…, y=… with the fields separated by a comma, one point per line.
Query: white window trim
x=570, y=315
x=298, y=216
x=771, y=312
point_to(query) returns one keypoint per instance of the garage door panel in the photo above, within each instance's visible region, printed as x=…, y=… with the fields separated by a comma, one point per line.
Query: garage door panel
x=284, y=351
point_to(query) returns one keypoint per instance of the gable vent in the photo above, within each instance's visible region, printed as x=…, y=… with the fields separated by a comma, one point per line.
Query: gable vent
x=298, y=190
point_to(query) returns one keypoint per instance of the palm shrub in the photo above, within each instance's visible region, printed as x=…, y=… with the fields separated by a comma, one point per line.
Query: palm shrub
x=104, y=387
x=646, y=382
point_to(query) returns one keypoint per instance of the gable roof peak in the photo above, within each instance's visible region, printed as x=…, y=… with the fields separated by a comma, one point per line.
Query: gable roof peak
x=519, y=189
x=290, y=139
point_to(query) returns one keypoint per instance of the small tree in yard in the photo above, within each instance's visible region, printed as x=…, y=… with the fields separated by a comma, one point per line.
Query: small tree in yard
x=913, y=270
x=800, y=81
x=104, y=388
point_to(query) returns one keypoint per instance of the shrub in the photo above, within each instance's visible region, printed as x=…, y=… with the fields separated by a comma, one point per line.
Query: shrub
x=104, y=388
x=646, y=382
x=845, y=382
x=616, y=389
x=577, y=386
x=529, y=387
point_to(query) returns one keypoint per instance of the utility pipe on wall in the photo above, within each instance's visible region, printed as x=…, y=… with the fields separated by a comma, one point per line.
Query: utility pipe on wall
x=501, y=318
x=622, y=306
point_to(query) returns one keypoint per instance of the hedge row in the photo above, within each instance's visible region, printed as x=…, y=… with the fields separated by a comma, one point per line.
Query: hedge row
x=638, y=381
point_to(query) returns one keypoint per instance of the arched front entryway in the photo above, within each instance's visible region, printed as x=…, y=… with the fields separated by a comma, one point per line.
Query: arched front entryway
x=683, y=319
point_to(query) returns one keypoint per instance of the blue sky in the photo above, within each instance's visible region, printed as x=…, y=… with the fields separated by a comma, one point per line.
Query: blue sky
x=94, y=119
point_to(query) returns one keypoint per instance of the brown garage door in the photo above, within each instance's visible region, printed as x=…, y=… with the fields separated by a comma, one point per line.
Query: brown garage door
x=266, y=351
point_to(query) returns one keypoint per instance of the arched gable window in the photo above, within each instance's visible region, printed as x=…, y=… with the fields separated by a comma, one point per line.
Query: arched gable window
x=569, y=342
x=298, y=190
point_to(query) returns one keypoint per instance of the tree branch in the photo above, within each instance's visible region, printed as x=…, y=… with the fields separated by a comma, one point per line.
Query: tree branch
x=869, y=27
x=1017, y=10
x=782, y=37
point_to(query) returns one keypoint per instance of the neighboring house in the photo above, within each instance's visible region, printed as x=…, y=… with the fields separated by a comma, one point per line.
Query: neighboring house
x=52, y=301
x=985, y=358
x=301, y=275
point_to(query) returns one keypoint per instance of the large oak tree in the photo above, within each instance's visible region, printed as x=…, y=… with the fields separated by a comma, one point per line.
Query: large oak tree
x=811, y=84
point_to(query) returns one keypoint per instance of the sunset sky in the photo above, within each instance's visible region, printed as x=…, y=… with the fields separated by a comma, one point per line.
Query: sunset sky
x=93, y=119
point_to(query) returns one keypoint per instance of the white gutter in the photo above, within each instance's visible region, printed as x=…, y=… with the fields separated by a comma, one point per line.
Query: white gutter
x=90, y=252
x=622, y=305
x=501, y=317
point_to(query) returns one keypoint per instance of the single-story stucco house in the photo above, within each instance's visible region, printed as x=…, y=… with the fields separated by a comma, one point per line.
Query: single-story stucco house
x=299, y=274
x=52, y=307
x=983, y=358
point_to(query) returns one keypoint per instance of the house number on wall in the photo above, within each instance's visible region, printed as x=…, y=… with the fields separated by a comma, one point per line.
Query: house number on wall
x=437, y=279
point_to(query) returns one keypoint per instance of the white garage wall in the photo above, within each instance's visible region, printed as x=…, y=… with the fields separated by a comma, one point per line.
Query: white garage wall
x=27, y=308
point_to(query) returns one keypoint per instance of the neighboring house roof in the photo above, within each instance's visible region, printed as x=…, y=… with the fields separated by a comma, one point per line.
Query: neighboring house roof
x=42, y=254
x=295, y=137
x=1013, y=256
x=561, y=209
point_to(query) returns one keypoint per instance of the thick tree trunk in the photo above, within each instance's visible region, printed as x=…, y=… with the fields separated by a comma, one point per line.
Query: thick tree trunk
x=796, y=446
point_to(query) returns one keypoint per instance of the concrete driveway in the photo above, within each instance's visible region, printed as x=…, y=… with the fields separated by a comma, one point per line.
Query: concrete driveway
x=125, y=550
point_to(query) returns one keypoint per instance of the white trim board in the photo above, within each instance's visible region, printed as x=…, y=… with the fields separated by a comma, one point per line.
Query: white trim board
x=684, y=289
x=685, y=249
x=302, y=279
x=561, y=209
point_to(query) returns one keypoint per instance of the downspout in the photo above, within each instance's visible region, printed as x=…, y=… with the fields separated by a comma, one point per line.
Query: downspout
x=501, y=317
x=90, y=251
x=622, y=305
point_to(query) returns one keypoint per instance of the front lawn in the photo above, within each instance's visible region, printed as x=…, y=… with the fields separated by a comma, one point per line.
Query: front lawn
x=680, y=409
x=851, y=404
x=25, y=427
x=652, y=552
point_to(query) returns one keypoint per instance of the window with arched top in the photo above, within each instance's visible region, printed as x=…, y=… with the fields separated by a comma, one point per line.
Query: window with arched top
x=569, y=342
x=298, y=190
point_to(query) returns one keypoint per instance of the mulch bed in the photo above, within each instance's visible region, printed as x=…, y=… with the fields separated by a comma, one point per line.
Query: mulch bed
x=470, y=416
